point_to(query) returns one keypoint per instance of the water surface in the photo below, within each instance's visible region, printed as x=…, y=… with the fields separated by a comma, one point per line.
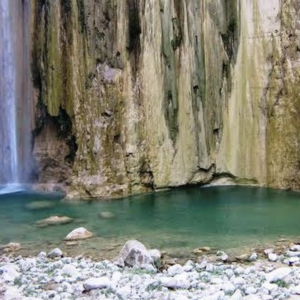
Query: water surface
x=176, y=220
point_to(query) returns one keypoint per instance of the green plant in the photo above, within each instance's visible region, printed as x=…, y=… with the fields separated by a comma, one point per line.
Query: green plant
x=281, y=283
x=17, y=281
x=153, y=286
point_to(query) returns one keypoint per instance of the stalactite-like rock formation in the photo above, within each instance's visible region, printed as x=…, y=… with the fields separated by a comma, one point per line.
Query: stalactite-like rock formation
x=134, y=96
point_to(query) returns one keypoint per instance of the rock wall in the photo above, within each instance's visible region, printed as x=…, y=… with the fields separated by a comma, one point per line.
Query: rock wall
x=139, y=95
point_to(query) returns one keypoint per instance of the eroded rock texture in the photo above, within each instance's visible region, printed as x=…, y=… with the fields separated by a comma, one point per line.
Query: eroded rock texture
x=139, y=95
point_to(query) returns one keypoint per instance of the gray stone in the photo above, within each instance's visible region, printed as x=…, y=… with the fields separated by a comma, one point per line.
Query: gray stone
x=155, y=254
x=70, y=271
x=228, y=288
x=124, y=292
x=9, y=272
x=78, y=234
x=278, y=274
x=268, y=251
x=295, y=248
x=249, y=270
x=116, y=277
x=237, y=295
x=96, y=283
x=220, y=253
x=209, y=267
x=224, y=257
x=229, y=273
x=238, y=281
x=296, y=290
x=176, y=269
x=272, y=257
x=253, y=257
x=239, y=270
x=189, y=266
x=132, y=254
x=293, y=260
x=175, y=282
x=42, y=255
x=250, y=290
x=27, y=264
x=270, y=286
x=55, y=253
x=293, y=253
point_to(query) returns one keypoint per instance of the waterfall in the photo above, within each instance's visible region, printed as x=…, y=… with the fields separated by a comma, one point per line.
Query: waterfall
x=15, y=98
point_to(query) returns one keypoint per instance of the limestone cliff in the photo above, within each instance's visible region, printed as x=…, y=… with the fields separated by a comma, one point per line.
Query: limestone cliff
x=139, y=95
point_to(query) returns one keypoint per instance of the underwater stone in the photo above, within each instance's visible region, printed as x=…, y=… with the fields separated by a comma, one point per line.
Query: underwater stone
x=11, y=247
x=54, y=220
x=106, y=215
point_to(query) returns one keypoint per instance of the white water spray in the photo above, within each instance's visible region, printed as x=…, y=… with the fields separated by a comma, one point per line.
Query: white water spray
x=15, y=111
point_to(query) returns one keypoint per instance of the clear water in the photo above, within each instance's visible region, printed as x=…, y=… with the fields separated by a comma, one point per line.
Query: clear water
x=176, y=220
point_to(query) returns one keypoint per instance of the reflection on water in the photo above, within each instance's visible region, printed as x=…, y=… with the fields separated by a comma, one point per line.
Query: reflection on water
x=218, y=217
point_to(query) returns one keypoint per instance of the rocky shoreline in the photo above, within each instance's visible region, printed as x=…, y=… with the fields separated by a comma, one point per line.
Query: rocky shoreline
x=138, y=273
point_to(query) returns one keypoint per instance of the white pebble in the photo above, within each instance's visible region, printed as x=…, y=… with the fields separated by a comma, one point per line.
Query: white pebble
x=176, y=269
x=253, y=257
x=96, y=283
x=70, y=271
x=278, y=274
x=295, y=248
x=272, y=257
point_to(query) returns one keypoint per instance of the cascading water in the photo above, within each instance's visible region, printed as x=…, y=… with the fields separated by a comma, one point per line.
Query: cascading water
x=15, y=110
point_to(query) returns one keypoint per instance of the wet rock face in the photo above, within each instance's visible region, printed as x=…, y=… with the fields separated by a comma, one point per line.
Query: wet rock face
x=164, y=93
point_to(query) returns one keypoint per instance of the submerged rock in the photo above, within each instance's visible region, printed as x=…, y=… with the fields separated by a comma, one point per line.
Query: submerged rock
x=242, y=258
x=54, y=220
x=78, y=234
x=201, y=250
x=106, y=215
x=134, y=254
x=39, y=205
x=11, y=247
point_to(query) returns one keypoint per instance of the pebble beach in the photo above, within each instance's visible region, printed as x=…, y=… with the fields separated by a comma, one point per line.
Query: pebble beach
x=139, y=273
